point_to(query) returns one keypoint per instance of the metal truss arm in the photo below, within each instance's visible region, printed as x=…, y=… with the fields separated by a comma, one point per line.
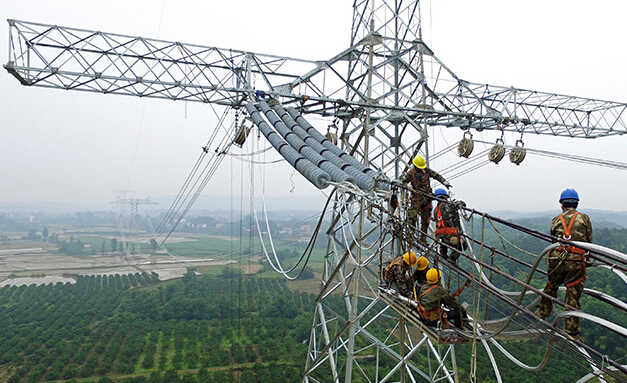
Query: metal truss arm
x=75, y=59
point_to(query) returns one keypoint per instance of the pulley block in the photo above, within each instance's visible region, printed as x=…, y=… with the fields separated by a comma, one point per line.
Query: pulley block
x=466, y=145
x=497, y=152
x=517, y=154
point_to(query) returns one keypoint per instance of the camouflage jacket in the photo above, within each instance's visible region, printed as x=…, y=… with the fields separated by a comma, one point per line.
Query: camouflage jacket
x=436, y=297
x=420, y=180
x=580, y=231
x=397, y=271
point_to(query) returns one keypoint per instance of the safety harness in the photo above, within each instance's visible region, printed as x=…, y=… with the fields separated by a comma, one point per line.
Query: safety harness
x=425, y=184
x=567, y=231
x=397, y=261
x=564, y=250
x=441, y=228
x=428, y=315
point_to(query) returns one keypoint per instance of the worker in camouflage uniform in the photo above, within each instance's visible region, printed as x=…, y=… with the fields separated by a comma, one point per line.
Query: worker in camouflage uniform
x=419, y=178
x=433, y=297
x=396, y=274
x=448, y=228
x=567, y=264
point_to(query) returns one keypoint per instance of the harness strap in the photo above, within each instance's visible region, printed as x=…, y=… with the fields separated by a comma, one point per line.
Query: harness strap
x=441, y=227
x=397, y=261
x=426, y=314
x=571, y=249
x=425, y=184
x=568, y=228
x=567, y=235
x=583, y=277
x=446, y=230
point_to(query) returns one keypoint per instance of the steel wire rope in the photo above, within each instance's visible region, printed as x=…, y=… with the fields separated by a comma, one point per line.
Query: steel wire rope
x=343, y=225
x=175, y=207
x=572, y=157
x=306, y=254
x=443, y=151
x=619, y=259
x=464, y=163
x=141, y=121
x=347, y=223
x=569, y=346
x=205, y=175
x=468, y=170
x=508, y=256
x=518, y=307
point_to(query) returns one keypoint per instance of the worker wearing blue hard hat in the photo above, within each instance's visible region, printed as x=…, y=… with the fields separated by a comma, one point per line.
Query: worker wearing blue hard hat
x=567, y=263
x=448, y=228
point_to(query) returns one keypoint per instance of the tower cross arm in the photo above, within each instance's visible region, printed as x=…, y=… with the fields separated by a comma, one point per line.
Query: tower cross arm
x=481, y=106
x=76, y=59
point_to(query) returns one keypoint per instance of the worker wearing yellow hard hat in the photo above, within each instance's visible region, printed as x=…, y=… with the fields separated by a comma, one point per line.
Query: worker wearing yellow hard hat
x=418, y=177
x=420, y=275
x=434, y=301
x=396, y=274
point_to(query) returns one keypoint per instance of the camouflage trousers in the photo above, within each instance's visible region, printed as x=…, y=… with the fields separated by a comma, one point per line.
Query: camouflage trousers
x=451, y=240
x=572, y=273
x=422, y=208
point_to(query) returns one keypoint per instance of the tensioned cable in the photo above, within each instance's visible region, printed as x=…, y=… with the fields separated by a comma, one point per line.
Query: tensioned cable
x=203, y=178
x=180, y=198
x=141, y=121
x=571, y=157
x=174, y=209
x=306, y=253
x=245, y=159
x=345, y=222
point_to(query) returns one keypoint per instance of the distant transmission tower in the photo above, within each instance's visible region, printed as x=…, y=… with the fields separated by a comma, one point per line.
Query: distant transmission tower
x=127, y=225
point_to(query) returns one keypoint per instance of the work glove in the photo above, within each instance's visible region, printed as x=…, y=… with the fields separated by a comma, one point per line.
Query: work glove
x=447, y=184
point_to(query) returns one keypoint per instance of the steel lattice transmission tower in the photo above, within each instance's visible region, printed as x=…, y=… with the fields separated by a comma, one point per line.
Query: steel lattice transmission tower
x=386, y=67
x=382, y=92
x=127, y=225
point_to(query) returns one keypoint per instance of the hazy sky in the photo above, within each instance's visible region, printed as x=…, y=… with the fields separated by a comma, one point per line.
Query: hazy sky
x=79, y=147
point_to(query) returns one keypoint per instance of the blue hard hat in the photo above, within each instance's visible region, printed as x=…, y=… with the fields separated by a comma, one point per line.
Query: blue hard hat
x=440, y=191
x=569, y=194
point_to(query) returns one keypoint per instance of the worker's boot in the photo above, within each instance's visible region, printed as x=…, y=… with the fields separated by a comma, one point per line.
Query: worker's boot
x=540, y=314
x=573, y=336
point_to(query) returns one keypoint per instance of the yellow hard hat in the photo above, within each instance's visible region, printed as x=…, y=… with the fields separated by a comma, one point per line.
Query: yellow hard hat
x=433, y=276
x=422, y=263
x=419, y=162
x=410, y=258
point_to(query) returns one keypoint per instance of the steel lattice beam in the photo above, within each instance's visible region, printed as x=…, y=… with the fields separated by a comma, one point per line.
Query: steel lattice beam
x=68, y=58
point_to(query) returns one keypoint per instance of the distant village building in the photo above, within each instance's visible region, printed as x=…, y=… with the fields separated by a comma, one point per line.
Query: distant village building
x=305, y=229
x=286, y=231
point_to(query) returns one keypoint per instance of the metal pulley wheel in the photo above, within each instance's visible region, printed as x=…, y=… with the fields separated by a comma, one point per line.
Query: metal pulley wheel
x=332, y=133
x=497, y=152
x=517, y=154
x=331, y=137
x=466, y=145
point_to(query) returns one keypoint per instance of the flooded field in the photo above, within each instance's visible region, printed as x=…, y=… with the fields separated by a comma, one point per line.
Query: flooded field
x=38, y=266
